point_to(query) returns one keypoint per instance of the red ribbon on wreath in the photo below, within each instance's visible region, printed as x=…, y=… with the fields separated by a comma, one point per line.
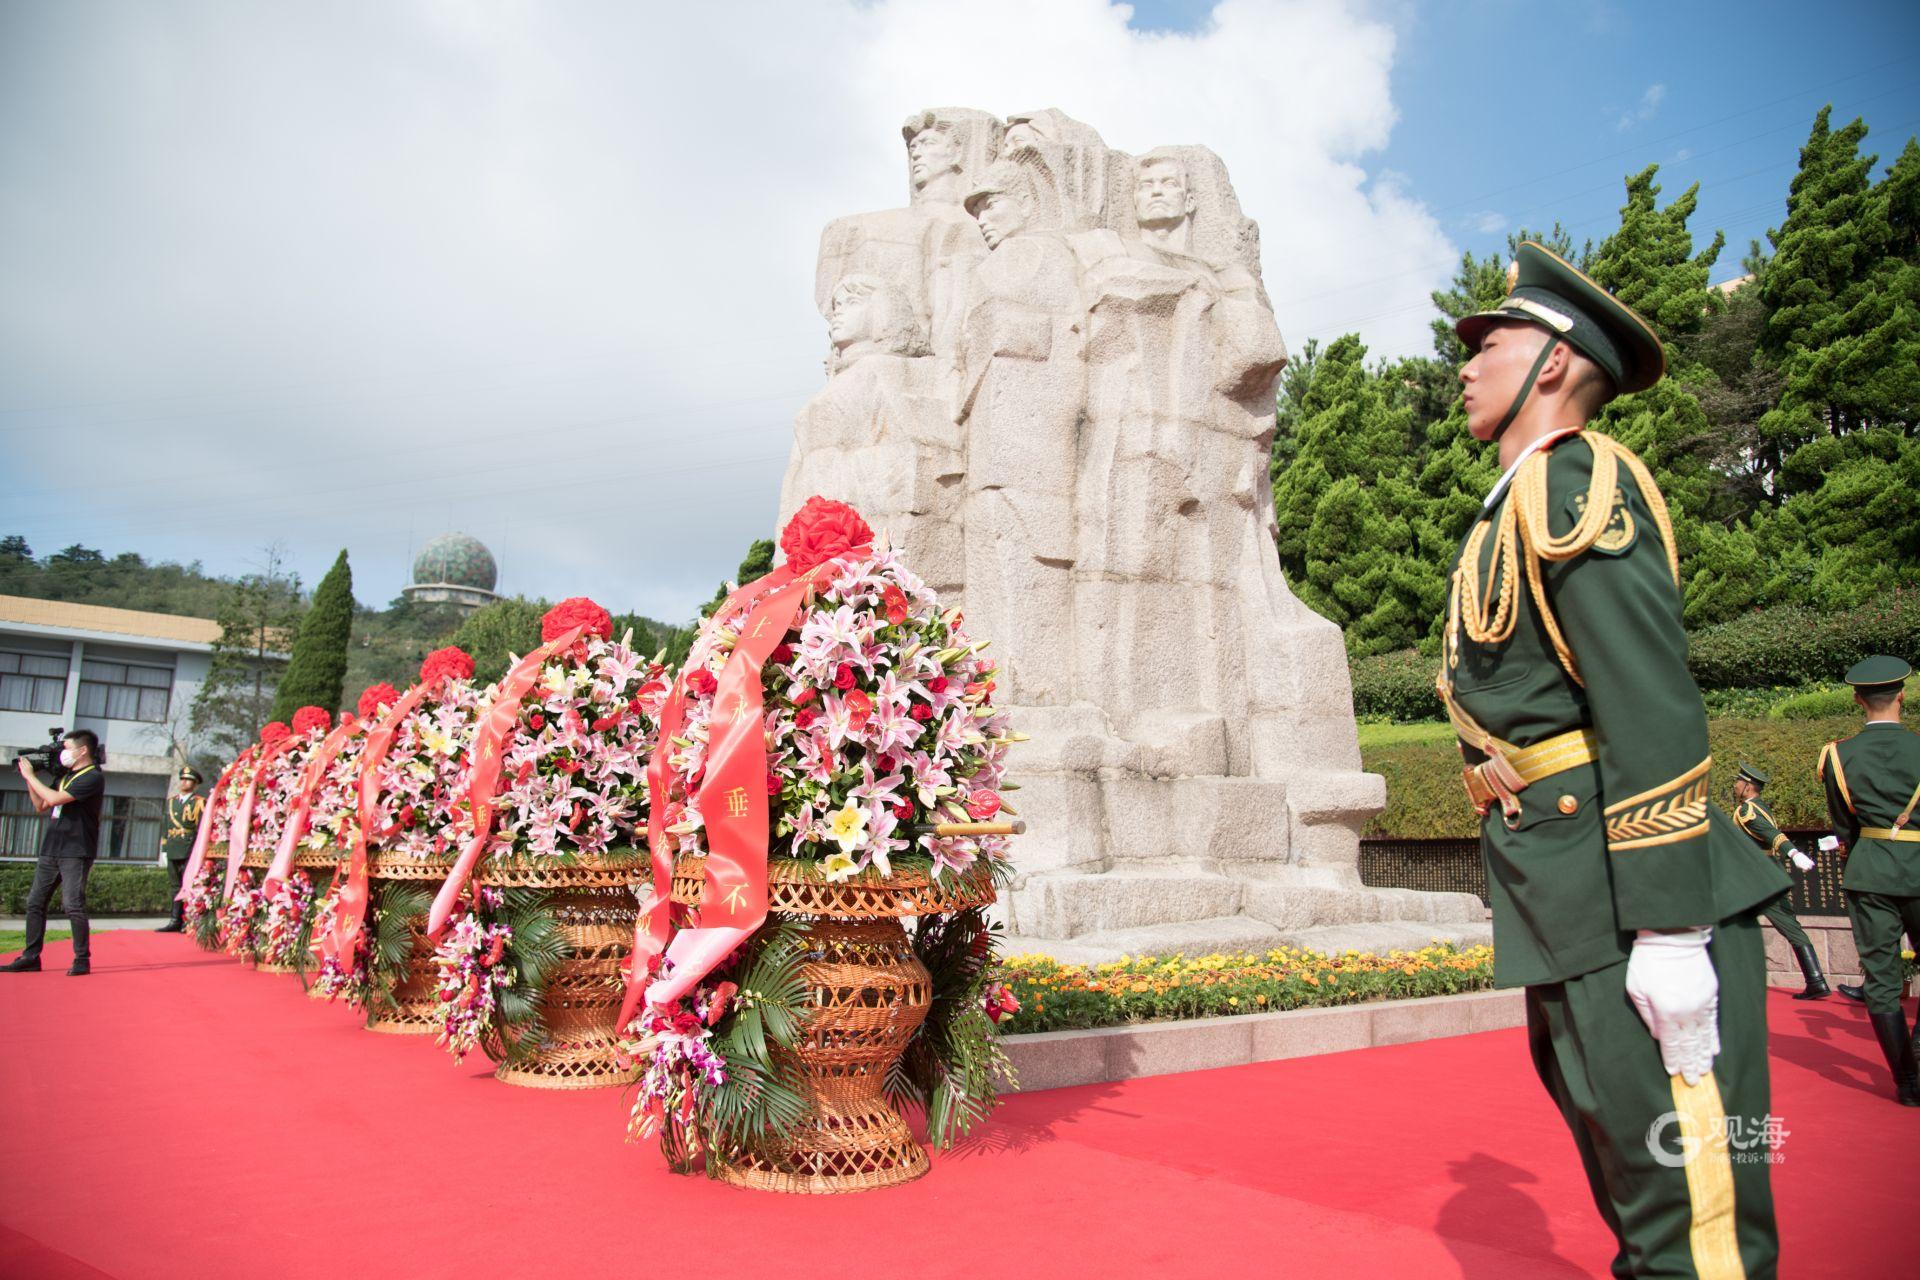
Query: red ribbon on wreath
x=300, y=809
x=242, y=829
x=733, y=793
x=342, y=933
x=204, y=836
x=489, y=751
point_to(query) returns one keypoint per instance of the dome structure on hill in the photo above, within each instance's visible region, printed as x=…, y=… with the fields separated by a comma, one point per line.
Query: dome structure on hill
x=454, y=568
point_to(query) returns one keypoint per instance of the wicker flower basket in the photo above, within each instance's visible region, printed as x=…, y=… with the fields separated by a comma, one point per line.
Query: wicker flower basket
x=592, y=901
x=869, y=994
x=319, y=865
x=415, y=1007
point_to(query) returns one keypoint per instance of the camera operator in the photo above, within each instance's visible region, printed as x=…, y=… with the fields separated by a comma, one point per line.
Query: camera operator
x=67, y=847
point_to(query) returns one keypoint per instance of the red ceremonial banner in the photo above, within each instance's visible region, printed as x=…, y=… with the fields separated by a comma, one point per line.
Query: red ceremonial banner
x=242, y=829
x=300, y=809
x=204, y=836
x=733, y=803
x=490, y=741
x=342, y=934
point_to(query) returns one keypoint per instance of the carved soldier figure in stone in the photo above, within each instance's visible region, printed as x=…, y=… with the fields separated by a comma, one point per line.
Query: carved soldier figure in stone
x=1079, y=165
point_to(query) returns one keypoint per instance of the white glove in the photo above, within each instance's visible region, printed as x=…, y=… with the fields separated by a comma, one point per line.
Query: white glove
x=1799, y=859
x=1673, y=986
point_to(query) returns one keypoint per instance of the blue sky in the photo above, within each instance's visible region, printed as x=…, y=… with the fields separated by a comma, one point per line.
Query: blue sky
x=1572, y=97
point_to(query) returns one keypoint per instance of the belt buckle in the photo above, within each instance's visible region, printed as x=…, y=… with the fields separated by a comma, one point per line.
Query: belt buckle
x=1479, y=794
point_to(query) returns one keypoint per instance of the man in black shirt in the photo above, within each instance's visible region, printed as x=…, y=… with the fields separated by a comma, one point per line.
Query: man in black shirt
x=67, y=847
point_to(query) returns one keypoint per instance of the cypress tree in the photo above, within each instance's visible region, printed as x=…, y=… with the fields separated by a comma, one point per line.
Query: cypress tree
x=317, y=671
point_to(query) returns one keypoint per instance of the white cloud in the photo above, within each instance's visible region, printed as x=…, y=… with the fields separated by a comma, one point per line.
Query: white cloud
x=355, y=275
x=1488, y=221
x=1648, y=108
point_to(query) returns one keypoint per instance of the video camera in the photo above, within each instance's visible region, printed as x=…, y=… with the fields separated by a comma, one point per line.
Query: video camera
x=46, y=759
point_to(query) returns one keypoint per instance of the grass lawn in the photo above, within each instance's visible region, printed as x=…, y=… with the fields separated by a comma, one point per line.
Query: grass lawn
x=12, y=940
x=1393, y=735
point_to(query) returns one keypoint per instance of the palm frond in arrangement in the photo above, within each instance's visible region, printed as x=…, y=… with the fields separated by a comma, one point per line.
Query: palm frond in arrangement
x=536, y=949
x=396, y=905
x=761, y=1100
x=953, y=1068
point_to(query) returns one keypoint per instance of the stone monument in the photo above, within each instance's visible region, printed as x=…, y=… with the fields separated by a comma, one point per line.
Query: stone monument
x=1051, y=383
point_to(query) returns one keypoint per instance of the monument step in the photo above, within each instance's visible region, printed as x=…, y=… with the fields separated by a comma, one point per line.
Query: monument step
x=1072, y=905
x=1289, y=905
x=1190, y=938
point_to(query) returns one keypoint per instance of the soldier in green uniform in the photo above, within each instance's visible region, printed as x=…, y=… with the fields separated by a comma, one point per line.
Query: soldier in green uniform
x=184, y=806
x=1623, y=901
x=1753, y=817
x=1873, y=788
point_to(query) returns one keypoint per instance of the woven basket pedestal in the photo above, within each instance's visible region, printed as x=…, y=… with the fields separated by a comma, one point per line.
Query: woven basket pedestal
x=869, y=994
x=592, y=901
x=415, y=1008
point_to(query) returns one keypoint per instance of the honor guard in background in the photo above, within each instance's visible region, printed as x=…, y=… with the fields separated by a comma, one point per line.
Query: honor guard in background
x=1873, y=787
x=184, y=806
x=1753, y=818
x=1623, y=901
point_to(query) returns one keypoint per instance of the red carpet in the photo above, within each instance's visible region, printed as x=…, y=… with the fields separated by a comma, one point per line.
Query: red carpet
x=176, y=1115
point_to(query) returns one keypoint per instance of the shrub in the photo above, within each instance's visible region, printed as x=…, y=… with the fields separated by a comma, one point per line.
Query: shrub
x=111, y=891
x=1425, y=800
x=1801, y=646
x=1396, y=685
x=1814, y=704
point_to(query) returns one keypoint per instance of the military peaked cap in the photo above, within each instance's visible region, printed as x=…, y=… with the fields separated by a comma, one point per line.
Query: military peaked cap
x=1547, y=290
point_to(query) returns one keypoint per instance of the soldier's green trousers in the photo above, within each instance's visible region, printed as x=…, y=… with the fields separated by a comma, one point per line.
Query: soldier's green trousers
x=1781, y=917
x=1878, y=921
x=1709, y=1214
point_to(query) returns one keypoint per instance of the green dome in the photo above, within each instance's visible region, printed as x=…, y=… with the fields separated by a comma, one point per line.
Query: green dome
x=458, y=559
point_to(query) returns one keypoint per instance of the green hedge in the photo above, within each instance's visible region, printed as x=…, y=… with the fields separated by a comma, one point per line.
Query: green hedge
x=1397, y=686
x=1796, y=646
x=1425, y=800
x=122, y=891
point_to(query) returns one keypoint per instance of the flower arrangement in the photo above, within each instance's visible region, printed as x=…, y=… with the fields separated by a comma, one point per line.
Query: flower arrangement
x=572, y=729
x=420, y=805
x=879, y=725
x=1050, y=996
x=287, y=921
x=237, y=917
x=879, y=718
x=273, y=795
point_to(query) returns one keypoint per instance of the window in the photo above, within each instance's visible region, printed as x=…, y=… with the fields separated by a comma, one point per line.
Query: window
x=32, y=682
x=130, y=828
x=124, y=691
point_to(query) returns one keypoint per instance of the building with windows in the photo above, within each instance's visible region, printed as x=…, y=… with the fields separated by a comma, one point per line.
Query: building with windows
x=130, y=677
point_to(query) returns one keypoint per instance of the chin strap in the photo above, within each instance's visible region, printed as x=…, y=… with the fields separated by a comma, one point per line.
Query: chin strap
x=1526, y=388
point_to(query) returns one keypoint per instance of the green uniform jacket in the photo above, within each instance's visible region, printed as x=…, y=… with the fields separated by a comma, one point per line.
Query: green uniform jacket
x=183, y=822
x=1879, y=769
x=1753, y=818
x=1629, y=841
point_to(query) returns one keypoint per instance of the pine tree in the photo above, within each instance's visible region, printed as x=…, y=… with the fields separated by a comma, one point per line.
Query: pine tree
x=317, y=671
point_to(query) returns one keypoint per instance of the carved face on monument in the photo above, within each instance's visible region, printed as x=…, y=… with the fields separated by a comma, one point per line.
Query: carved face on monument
x=1162, y=200
x=1002, y=203
x=932, y=155
x=868, y=316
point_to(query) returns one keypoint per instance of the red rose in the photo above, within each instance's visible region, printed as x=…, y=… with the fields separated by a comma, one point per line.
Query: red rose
x=782, y=653
x=844, y=677
x=982, y=805
x=310, y=718
x=450, y=663
x=820, y=531
x=375, y=698
x=577, y=611
x=538, y=721
x=774, y=785
x=888, y=764
x=804, y=718
x=904, y=811
x=273, y=731
x=921, y=711
x=701, y=681
x=937, y=685
x=896, y=602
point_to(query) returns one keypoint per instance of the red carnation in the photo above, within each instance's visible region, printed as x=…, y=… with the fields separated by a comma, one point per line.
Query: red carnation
x=807, y=694
x=921, y=711
x=937, y=685
x=804, y=718
x=577, y=611
x=375, y=698
x=307, y=719
x=820, y=531
x=450, y=663
x=538, y=721
x=273, y=731
x=702, y=682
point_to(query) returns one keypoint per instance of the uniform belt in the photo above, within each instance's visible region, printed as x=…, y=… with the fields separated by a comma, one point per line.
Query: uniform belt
x=1509, y=770
x=1888, y=833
